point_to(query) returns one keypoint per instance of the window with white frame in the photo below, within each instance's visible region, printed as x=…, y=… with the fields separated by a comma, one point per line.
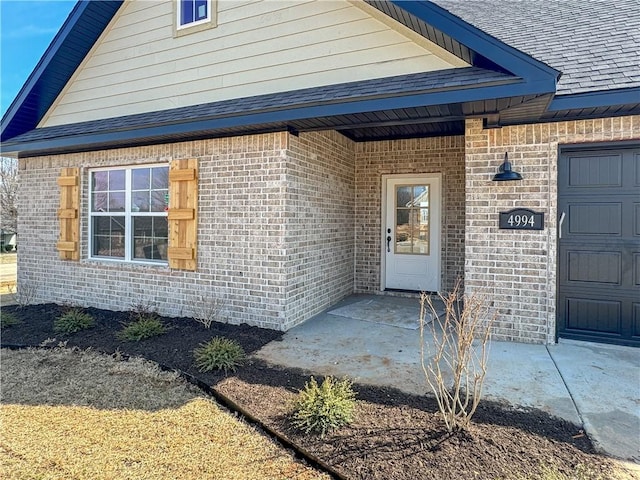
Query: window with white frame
x=193, y=12
x=128, y=213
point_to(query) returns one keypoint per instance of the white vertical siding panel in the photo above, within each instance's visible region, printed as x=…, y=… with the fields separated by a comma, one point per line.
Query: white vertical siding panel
x=258, y=47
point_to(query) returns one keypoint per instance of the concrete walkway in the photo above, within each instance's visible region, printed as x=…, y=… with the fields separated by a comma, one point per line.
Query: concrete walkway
x=594, y=386
x=8, y=272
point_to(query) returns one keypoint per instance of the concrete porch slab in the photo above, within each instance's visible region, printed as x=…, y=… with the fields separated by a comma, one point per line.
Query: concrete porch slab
x=392, y=311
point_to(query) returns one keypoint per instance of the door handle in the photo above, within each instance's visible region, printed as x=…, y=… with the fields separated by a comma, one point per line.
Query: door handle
x=560, y=225
x=388, y=243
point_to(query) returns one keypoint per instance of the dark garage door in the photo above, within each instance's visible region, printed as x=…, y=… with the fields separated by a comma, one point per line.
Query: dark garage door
x=599, y=245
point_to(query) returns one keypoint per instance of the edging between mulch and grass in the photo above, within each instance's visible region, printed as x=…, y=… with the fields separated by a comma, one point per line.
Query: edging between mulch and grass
x=298, y=452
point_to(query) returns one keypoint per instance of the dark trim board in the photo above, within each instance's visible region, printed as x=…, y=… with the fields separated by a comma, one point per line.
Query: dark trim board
x=618, y=144
x=241, y=124
x=610, y=340
x=606, y=98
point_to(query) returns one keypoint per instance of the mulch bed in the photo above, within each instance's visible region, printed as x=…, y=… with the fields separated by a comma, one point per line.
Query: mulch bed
x=394, y=436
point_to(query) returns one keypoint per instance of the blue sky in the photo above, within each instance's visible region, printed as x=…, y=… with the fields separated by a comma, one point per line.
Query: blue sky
x=26, y=29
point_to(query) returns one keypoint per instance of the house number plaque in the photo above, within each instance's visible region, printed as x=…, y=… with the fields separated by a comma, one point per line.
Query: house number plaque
x=521, y=219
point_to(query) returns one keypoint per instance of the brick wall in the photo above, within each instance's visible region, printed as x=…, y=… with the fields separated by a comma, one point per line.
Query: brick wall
x=319, y=223
x=517, y=269
x=288, y=225
x=420, y=155
x=241, y=255
x=275, y=230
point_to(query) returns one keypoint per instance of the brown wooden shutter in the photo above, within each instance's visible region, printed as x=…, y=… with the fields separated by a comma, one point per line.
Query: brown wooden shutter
x=183, y=214
x=68, y=214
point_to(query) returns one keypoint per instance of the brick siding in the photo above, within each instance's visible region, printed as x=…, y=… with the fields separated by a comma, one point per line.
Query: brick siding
x=275, y=230
x=289, y=225
x=517, y=269
x=319, y=223
x=241, y=258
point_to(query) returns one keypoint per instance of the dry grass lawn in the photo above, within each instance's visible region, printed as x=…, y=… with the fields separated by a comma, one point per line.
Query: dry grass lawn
x=81, y=415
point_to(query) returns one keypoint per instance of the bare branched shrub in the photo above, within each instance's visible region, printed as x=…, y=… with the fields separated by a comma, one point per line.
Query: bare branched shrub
x=457, y=363
x=208, y=310
x=143, y=310
x=25, y=294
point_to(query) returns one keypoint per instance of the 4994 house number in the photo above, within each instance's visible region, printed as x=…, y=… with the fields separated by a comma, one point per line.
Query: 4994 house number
x=521, y=219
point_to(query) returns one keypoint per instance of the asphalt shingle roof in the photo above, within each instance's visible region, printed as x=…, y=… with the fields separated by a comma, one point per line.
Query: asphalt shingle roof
x=353, y=91
x=594, y=43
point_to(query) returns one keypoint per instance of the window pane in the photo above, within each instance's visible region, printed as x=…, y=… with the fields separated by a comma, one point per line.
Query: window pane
x=412, y=219
x=186, y=11
x=159, y=200
x=108, y=237
x=201, y=9
x=421, y=196
x=99, y=202
x=116, y=202
x=421, y=221
x=150, y=238
x=100, y=181
x=140, y=201
x=160, y=227
x=403, y=231
x=403, y=196
x=160, y=178
x=116, y=179
x=421, y=231
x=143, y=226
x=140, y=179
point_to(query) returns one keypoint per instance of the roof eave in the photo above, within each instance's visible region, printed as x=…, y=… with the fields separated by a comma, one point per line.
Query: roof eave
x=31, y=104
x=274, y=119
x=602, y=98
x=483, y=44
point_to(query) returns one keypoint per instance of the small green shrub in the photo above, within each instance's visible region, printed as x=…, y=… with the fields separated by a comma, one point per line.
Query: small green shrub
x=72, y=321
x=8, y=319
x=143, y=327
x=326, y=407
x=219, y=353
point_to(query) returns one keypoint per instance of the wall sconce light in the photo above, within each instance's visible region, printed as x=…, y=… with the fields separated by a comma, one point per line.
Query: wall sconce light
x=505, y=173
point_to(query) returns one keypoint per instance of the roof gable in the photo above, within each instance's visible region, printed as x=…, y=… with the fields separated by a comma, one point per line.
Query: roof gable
x=138, y=65
x=77, y=35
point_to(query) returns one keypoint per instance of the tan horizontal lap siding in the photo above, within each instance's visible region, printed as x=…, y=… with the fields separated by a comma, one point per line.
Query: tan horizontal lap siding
x=258, y=47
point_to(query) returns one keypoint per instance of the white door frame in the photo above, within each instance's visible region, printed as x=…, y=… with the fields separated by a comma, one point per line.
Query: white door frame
x=383, y=220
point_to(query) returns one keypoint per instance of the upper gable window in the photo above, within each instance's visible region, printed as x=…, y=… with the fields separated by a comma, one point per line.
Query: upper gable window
x=194, y=15
x=193, y=11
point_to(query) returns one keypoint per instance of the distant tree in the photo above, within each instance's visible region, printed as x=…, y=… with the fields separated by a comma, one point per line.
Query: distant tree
x=8, y=194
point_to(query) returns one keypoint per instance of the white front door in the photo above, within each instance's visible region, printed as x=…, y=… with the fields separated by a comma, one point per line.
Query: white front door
x=411, y=241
